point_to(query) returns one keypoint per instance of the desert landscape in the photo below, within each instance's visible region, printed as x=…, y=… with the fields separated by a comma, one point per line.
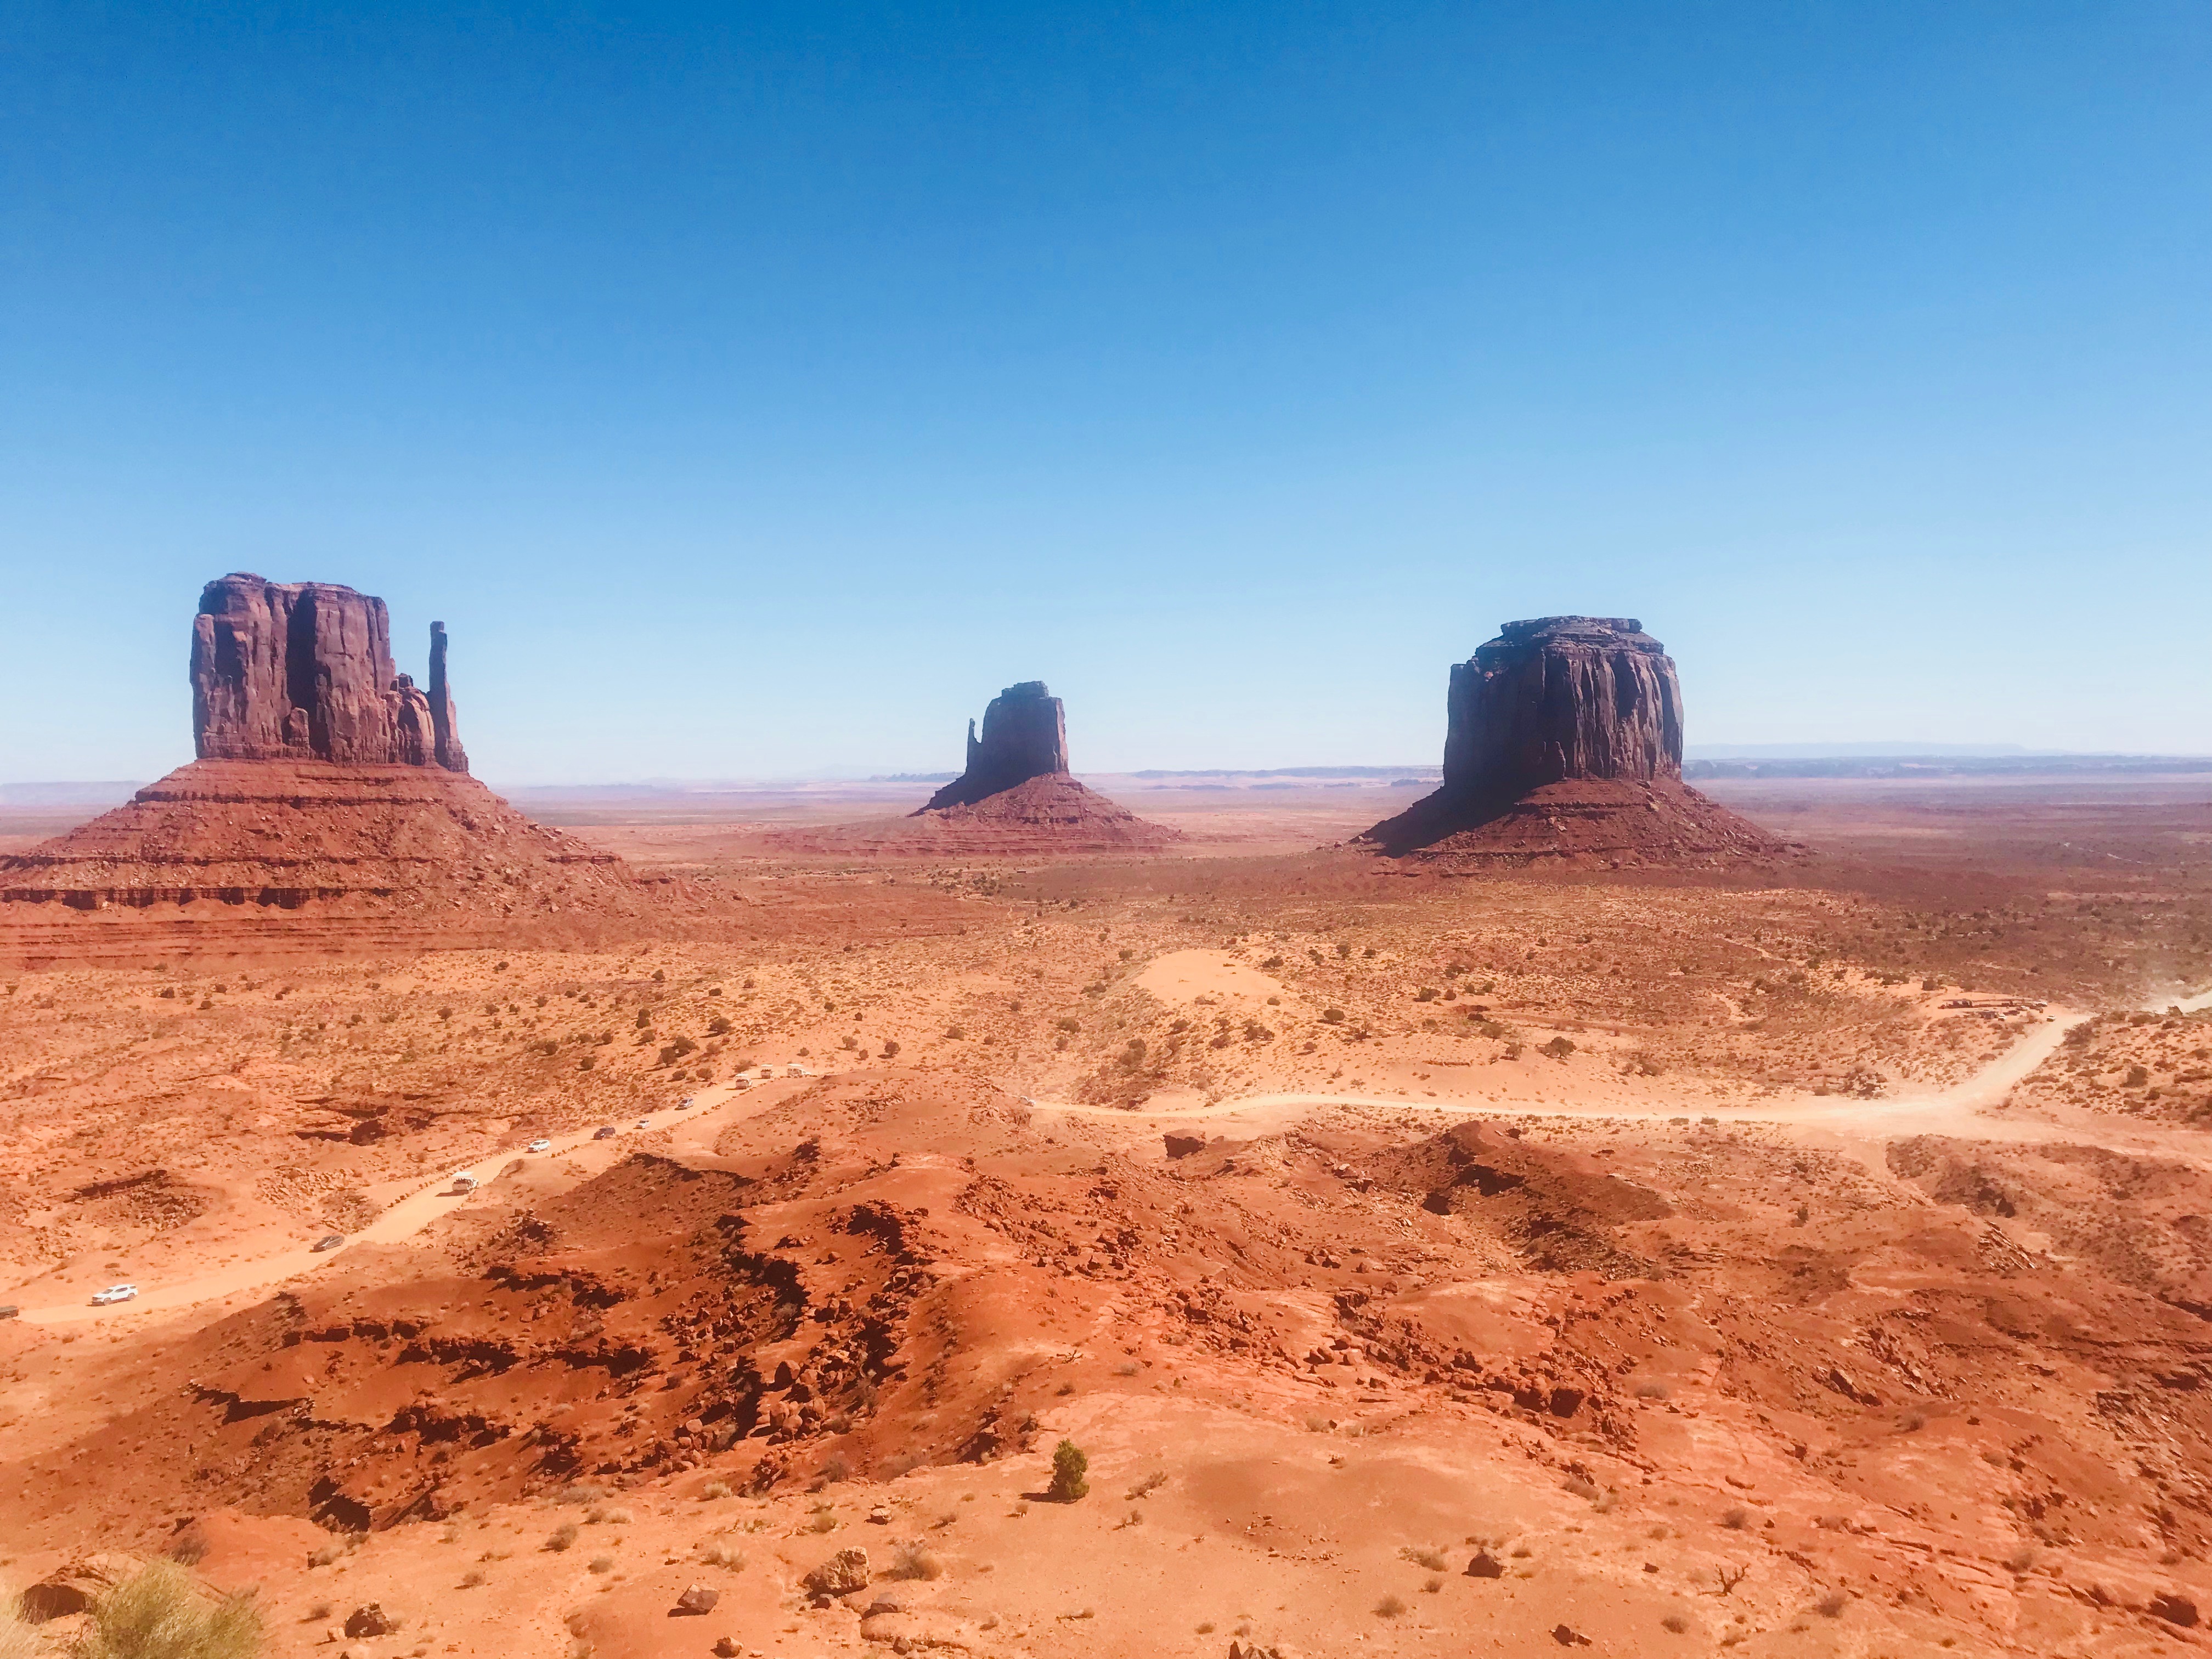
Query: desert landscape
x=1528, y=1203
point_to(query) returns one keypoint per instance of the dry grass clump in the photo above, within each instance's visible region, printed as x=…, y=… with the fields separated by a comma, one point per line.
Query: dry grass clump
x=1675, y=1622
x=825, y=1519
x=915, y=1559
x=601, y=1564
x=472, y=1577
x=17, y=1639
x=1832, y=1605
x=1424, y=1556
x=331, y=1549
x=1389, y=1607
x=722, y=1555
x=1737, y=1520
x=563, y=1535
x=713, y=1490
x=604, y=1516
x=160, y=1611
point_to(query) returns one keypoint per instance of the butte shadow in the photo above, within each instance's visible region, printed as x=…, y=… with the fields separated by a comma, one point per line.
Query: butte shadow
x=1564, y=741
x=327, y=783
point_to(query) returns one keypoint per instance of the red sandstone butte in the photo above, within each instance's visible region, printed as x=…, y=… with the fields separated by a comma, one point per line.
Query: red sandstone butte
x=1563, y=739
x=303, y=671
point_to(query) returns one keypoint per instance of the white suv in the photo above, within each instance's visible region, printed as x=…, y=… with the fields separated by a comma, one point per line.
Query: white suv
x=113, y=1294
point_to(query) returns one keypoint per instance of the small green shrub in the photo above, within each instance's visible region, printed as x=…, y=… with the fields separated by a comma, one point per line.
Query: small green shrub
x=1069, y=1468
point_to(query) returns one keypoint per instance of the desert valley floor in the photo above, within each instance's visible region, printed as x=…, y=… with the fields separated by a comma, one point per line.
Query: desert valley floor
x=1810, y=1257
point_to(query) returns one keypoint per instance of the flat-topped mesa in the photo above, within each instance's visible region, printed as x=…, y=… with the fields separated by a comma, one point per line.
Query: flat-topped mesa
x=1024, y=736
x=303, y=671
x=1561, y=697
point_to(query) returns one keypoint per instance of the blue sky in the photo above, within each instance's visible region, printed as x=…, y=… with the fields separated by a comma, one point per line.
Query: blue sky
x=755, y=390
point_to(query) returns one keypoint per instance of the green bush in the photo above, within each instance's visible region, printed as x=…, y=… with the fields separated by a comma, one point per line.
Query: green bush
x=1069, y=1466
x=162, y=1612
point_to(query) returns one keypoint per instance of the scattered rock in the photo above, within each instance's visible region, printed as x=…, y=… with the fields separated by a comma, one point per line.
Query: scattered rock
x=880, y=1516
x=1485, y=1566
x=726, y=1647
x=370, y=1619
x=696, y=1600
x=2174, y=1609
x=1567, y=1636
x=841, y=1574
x=1184, y=1145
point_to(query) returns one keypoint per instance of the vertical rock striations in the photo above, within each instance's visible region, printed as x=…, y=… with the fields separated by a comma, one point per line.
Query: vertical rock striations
x=303, y=671
x=1562, y=698
x=1024, y=736
x=1563, y=739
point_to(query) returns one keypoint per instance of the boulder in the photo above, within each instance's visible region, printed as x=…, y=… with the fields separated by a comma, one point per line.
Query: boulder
x=697, y=1599
x=74, y=1588
x=1485, y=1566
x=303, y=671
x=841, y=1574
x=369, y=1619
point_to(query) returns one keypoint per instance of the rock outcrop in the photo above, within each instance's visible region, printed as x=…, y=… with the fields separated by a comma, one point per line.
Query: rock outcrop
x=303, y=671
x=1024, y=736
x=1017, y=798
x=327, y=782
x=1563, y=739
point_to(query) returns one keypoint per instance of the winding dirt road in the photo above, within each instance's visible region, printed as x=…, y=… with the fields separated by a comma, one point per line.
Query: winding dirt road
x=1958, y=1111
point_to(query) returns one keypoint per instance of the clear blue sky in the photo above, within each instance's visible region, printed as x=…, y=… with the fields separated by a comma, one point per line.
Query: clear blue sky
x=755, y=389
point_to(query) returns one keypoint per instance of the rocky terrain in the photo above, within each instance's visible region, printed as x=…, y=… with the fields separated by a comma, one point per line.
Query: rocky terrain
x=1564, y=741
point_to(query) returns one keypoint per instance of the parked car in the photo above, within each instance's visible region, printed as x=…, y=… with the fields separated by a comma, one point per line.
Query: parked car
x=684, y=1105
x=464, y=1182
x=604, y=1132
x=540, y=1145
x=113, y=1294
x=645, y=1123
x=331, y=1242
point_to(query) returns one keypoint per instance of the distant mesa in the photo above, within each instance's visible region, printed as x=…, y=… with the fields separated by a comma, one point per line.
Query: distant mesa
x=1024, y=736
x=1563, y=739
x=327, y=779
x=1015, y=799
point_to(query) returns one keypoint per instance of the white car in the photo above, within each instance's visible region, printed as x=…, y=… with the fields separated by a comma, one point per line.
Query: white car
x=464, y=1182
x=540, y=1146
x=113, y=1294
x=684, y=1105
x=645, y=1123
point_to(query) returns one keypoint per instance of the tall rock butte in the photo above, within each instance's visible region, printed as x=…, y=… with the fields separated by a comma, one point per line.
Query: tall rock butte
x=1564, y=738
x=303, y=671
x=1024, y=736
x=326, y=781
x=1017, y=798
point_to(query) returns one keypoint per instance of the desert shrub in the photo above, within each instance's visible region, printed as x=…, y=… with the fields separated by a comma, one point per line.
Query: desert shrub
x=601, y=1564
x=1150, y=1484
x=2020, y=1560
x=1428, y=1557
x=1652, y=1391
x=604, y=1515
x=1832, y=1605
x=728, y=1556
x=470, y=1579
x=160, y=1613
x=1737, y=1520
x=1333, y=1015
x=17, y=1639
x=563, y=1535
x=1432, y=1586
x=825, y=1519
x=915, y=1559
x=715, y=1489
x=1389, y=1607
x=1675, y=1622
x=1069, y=1468
x=890, y=1049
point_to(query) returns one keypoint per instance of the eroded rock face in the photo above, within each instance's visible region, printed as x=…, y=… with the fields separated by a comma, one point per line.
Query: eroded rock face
x=1024, y=736
x=1565, y=740
x=303, y=671
x=1561, y=697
